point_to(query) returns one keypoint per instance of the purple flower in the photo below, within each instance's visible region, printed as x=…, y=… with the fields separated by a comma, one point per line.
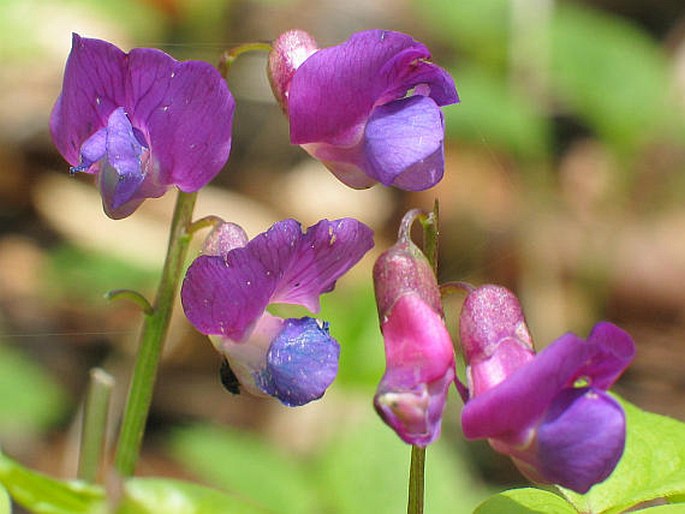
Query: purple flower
x=418, y=350
x=226, y=292
x=141, y=122
x=369, y=109
x=549, y=412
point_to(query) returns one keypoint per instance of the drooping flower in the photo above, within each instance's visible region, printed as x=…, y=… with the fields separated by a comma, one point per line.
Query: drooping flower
x=226, y=292
x=141, y=122
x=369, y=109
x=418, y=350
x=549, y=412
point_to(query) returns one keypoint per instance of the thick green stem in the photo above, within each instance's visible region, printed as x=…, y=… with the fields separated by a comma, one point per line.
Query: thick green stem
x=94, y=426
x=152, y=339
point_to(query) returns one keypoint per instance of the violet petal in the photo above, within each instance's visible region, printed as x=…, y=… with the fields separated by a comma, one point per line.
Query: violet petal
x=321, y=256
x=93, y=86
x=404, y=143
x=187, y=110
x=581, y=439
x=614, y=351
x=347, y=80
x=301, y=363
x=518, y=402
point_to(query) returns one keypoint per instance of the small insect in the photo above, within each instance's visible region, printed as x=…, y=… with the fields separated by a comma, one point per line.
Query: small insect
x=228, y=378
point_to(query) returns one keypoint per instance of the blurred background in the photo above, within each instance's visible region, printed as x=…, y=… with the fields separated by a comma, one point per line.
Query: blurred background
x=565, y=181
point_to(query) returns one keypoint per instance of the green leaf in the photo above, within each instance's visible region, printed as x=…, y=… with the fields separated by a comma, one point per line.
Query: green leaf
x=491, y=112
x=243, y=464
x=652, y=466
x=41, y=494
x=5, y=505
x=527, y=500
x=29, y=398
x=158, y=495
x=611, y=73
x=367, y=470
x=664, y=509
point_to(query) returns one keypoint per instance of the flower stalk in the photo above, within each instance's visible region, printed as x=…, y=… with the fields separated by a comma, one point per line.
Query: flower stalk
x=94, y=425
x=417, y=464
x=152, y=339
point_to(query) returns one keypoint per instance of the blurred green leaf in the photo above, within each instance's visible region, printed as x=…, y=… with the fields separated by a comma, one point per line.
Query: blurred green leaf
x=354, y=324
x=480, y=29
x=88, y=275
x=158, y=495
x=664, y=509
x=490, y=112
x=41, y=494
x=243, y=464
x=652, y=466
x=611, y=73
x=5, y=504
x=367, y=471
x=527, y=500
x=29, y=398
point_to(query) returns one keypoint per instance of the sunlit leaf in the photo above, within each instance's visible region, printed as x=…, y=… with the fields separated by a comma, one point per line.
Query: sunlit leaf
x=527, y=500
x=158, y=495
x=42, y=494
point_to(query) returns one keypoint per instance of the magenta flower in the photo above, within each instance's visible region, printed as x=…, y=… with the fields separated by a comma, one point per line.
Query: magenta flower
x=418, y=350
x=549, y=412
x=226, y=292
x=141, y=122
x=369, y=109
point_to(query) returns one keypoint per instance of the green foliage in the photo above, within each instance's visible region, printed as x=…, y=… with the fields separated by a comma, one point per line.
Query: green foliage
x=41, y=494
x=5, y=504
x=87, y=275
x=241, y=463
x=29, y=398
x=157, y=495
x=527, y=500
x=492, y=113
x=361, y=471
x=652, y=466
x=611, y=74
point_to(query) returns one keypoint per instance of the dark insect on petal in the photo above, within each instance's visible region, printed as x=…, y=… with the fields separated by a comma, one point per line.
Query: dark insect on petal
x=228, y=378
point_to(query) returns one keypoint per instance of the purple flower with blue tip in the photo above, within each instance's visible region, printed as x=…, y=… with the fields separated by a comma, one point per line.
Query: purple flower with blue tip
x=550, y=412
x=369, y=109
x=141, y=122
x=226, y=292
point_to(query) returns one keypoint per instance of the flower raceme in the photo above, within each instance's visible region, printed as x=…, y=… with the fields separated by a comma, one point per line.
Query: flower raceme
x=549, y=412
x=226, y=292
x=369, y=109
x=141, y=122
x=419, y=355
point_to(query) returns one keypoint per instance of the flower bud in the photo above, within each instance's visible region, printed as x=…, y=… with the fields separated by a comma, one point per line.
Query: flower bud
x=418, y=349
x=289, y=51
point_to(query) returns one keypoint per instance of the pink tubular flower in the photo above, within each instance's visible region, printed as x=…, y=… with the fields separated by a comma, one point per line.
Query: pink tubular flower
x=369, y=109
x=141, y=122
x=419, y=355
x=549, y=412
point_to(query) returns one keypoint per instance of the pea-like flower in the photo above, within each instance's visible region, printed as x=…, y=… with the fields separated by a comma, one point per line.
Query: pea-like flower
x=226, y=292
x=549, y=412
x=418, y=349
x=141, y=122
x=369, y=109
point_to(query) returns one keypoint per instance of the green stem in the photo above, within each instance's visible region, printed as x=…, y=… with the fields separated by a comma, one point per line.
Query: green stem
x=230, y=55
x=152, y=339
x=418, y=454
x=94, y=426
x=416, y=480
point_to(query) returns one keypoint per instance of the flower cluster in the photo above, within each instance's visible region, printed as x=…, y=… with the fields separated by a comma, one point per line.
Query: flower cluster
x=370, y=109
